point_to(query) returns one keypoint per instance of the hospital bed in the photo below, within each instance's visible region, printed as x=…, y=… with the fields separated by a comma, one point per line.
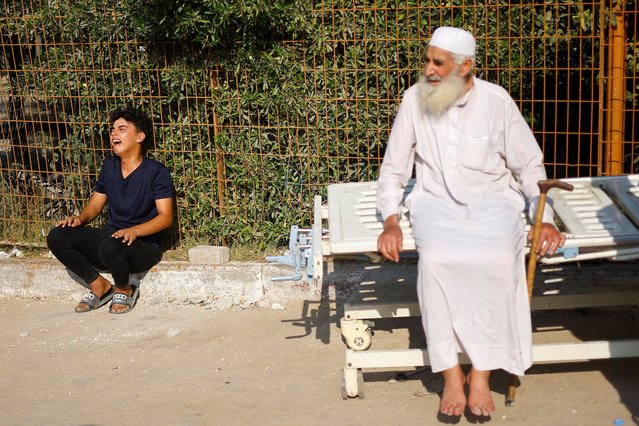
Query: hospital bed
x=600, y=218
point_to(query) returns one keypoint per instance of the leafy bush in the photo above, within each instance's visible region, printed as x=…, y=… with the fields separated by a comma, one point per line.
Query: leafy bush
x=258, y=105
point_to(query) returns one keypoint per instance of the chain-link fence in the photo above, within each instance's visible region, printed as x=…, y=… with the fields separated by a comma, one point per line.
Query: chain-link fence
x=253, y=119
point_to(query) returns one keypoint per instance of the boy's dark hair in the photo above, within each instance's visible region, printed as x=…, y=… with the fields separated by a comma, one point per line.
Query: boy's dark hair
x=139, y=119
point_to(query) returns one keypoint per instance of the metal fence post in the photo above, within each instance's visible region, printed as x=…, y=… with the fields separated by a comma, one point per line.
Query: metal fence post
x=616, y=91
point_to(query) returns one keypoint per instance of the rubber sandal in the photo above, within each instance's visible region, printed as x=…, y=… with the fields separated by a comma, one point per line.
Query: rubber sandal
x=94, y=302
x=123, y=299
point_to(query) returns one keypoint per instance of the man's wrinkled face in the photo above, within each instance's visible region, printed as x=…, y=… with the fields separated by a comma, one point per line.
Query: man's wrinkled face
x=441, y=84
x=438, y=65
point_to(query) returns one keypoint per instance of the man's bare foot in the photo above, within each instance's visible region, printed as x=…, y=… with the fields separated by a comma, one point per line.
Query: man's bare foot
x=453, y=400
x=480, y=400
x=115, y=308
x=99, y=287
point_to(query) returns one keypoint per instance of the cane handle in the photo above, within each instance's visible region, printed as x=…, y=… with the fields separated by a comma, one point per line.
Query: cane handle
x=545, y=185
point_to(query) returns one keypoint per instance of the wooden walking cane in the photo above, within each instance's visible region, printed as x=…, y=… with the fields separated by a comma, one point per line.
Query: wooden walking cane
x=544, y=187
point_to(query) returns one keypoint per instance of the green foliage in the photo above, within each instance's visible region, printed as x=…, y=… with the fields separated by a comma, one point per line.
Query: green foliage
x=223, y=25
x=258, y=104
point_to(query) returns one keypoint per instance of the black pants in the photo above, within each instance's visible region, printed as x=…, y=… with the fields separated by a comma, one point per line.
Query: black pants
x=84, y=250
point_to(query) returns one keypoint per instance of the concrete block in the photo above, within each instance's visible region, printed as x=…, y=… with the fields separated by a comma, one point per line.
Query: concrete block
x=209, y=255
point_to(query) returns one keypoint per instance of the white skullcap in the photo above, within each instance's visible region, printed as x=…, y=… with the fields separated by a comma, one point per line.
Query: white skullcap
x=454, y=40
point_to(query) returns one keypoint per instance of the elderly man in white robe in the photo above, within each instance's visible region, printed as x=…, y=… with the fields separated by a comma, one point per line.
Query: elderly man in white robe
x=476, y=165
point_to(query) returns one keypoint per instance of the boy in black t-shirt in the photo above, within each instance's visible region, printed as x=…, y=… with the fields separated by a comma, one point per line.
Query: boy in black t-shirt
x=139, y=193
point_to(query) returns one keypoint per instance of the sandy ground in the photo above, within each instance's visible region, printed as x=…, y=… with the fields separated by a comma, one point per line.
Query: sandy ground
x=167, y=364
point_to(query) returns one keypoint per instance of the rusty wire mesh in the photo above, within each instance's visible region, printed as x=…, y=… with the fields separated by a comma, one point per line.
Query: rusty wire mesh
x=249, y=148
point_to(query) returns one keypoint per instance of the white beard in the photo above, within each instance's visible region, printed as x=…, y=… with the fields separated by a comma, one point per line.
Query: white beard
x=436, y=99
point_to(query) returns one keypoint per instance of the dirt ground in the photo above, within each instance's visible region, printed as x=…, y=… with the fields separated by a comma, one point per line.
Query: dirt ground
x=166, y=364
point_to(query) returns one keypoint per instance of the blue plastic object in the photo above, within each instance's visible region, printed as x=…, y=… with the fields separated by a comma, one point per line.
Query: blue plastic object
x=299, y=255
x=568, y=252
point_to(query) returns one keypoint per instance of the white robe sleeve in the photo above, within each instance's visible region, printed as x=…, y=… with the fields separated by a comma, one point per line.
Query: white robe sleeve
x=397, y=166
x=525, y=159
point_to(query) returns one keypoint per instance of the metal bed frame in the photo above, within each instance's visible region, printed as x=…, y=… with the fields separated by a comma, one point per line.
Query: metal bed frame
x=600, y=218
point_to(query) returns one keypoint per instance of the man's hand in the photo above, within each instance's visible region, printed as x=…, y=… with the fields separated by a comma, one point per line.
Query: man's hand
x=86, y=216
x=128, y=235
x=389, y=242
x=70, y=221
x=550, y=239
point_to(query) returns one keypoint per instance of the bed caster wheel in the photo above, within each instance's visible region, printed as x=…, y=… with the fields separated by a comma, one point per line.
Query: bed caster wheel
x=356, y=334
x=352, y=383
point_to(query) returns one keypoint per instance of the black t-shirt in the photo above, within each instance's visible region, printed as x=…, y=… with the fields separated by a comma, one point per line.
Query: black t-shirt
x=131, y=200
